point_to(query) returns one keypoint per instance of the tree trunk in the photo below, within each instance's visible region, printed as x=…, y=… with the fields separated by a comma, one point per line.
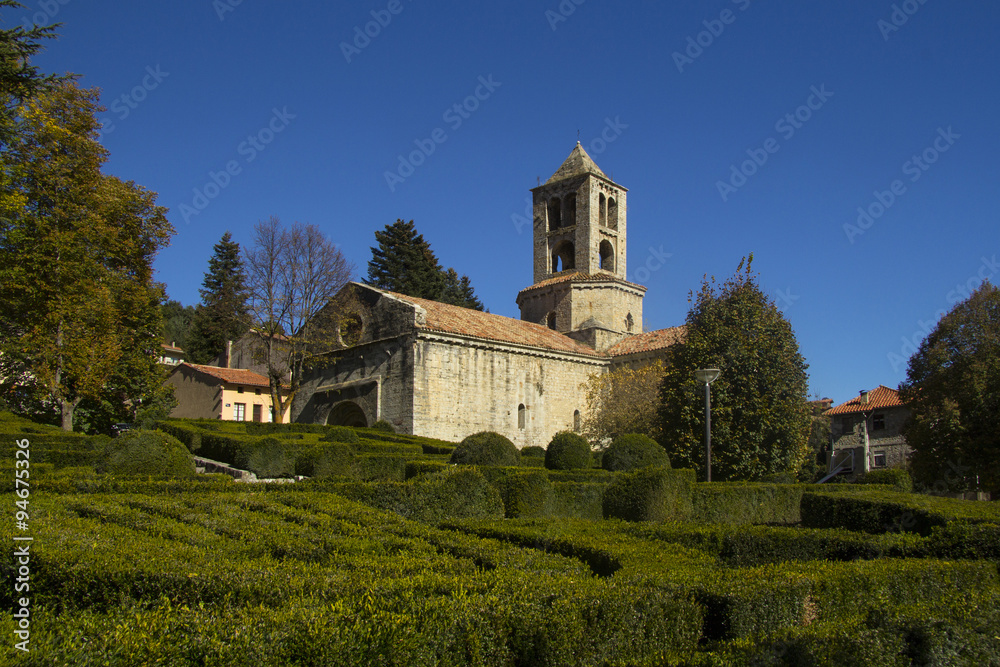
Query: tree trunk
x=67, y=408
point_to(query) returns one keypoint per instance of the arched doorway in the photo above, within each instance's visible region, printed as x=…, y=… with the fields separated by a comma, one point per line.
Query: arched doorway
x=347, y=413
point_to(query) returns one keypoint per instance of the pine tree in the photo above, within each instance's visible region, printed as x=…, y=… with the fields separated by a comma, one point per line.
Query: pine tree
x=223, y=314
x=405, y=263
x=458, y=292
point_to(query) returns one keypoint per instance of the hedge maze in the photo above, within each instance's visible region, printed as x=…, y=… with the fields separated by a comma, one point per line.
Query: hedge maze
x=389, y=555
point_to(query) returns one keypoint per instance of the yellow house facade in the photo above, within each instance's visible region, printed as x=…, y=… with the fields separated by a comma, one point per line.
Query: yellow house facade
x=229, y=394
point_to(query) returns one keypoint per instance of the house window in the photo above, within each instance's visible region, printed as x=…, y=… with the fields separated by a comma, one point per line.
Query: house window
x=522, y=416
x=878, y=460
x=256, y=392
x=239, y=390
x=239, y=412
x=846, y=424
x=878, y=422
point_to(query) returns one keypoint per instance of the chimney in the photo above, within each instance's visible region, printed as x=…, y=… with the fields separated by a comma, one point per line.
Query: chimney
x=864, y=397
x=229, y=353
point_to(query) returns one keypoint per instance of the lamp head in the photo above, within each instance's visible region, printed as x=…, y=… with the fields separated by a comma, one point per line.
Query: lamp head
x=707, y=375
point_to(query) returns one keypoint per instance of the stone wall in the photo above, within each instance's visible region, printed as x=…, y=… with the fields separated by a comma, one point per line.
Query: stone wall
x=465, y=386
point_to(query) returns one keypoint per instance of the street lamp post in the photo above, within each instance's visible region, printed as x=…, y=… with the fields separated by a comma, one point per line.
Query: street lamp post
x=708, y=376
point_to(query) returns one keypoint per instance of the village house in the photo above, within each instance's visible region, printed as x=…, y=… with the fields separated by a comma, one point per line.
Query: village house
x=866, y=433
x=212, y=392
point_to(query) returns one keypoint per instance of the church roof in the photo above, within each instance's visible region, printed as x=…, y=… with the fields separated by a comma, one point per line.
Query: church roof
x=580, y=276
x=577, y=164
x=467, y=322
x=648, y=341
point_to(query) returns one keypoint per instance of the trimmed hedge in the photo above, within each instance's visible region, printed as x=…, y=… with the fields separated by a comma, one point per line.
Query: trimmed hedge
x=328, y=459
x=486, y=448
x=268, y=458
x=746, y=503
x=897, y=478
x=632, y=451
x=341, y=434
x=525, y=492
x=650, y=494
x=578, y=500
x=568, y=451
x=886, y=511
x=417, y=468
x=533, y=451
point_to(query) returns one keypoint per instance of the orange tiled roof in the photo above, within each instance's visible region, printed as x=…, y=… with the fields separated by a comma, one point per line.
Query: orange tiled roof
x=454, y=319
x=879, y=397
x=649, y=341
x=231, y=375
x=580, y=276
x=170, y=348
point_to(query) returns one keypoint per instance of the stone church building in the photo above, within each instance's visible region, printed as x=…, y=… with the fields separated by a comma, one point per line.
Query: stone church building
x=443, y=371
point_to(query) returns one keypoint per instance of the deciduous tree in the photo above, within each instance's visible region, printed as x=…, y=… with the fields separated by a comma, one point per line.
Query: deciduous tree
x=953, y=389
x=760, y=419
x=292, y=275
x=625, y=400
x=79, y=306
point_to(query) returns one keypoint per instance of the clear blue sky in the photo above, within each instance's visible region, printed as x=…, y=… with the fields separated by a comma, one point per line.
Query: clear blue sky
x=834, y=100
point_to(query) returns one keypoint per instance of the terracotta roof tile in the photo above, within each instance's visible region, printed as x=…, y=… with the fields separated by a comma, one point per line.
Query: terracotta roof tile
x=580, y=276
x=231, y=375
x=649, y=341
x=879, y=397
x=170, y=348
x=454, y=319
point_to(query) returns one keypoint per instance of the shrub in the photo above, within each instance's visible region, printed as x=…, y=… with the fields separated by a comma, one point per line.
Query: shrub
x=341, y=434
x=633, y=451
x=384, y=426
x=486, y=449
x=525, y=492
x=649, y=494
x=534, y=451
x=896, y=477
x=267, y=458
x=145, y=453
x=568, y=451
x=747, y=503
x=418, y=468
x=327, y=460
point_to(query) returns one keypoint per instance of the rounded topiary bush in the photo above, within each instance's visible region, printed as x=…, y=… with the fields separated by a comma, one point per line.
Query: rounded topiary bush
x=534, y=451
x=632, y=451
x=486, y=449
x=383, y=425
x=568, y=451
x=340, y=434
x=267, y=458
x=145, y=453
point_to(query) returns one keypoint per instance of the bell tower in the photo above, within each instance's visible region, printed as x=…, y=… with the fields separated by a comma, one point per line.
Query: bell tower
x=579, y=236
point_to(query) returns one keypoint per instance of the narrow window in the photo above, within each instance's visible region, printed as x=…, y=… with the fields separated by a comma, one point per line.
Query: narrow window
x=577, y=421
x=612, y=213
x=629, y=323
x=522, y=416
x=555, y=214
x=569, y=211
x=602, y=210
x=551, y=320
x=607, y=256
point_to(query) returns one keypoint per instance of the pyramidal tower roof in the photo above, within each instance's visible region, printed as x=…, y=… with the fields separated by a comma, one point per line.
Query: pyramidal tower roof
x=577, y=164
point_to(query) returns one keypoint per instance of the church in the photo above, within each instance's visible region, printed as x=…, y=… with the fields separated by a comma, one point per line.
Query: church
x=442, y=371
